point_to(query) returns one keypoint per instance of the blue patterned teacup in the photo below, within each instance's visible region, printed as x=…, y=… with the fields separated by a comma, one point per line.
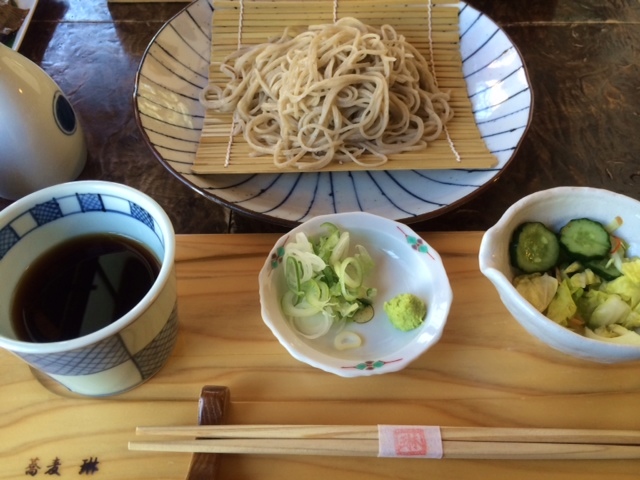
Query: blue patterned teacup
x=134, y=347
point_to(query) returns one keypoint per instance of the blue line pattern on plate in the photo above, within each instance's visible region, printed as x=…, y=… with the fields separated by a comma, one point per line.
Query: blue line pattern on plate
x=175, y=67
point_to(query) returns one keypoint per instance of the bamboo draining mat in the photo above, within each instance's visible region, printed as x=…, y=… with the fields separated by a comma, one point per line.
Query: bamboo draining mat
x=262, y=20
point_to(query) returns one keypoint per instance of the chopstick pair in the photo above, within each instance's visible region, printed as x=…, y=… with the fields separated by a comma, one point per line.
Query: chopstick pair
x=403, y=441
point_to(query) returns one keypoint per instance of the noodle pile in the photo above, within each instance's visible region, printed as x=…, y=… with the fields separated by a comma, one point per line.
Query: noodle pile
x=332, y=93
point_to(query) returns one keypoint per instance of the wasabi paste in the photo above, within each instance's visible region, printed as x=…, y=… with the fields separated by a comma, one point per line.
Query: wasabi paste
x=406, y=311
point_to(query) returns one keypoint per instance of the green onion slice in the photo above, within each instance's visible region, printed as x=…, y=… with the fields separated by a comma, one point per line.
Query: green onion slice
x=325, y=284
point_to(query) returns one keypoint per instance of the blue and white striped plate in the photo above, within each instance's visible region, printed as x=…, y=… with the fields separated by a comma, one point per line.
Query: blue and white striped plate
x=174, y=69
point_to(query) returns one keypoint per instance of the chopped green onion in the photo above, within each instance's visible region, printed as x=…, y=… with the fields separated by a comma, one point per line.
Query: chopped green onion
x=346, y=340
x=312, y=327
x=325, y=285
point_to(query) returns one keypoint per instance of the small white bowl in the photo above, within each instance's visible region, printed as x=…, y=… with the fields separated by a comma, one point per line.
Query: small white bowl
x=555, y=207
x=405, y=263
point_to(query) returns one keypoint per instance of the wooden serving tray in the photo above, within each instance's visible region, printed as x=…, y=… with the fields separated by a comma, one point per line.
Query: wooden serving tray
x=485, y=371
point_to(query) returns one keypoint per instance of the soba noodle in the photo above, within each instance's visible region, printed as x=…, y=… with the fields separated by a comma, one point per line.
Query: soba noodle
x=332, y=93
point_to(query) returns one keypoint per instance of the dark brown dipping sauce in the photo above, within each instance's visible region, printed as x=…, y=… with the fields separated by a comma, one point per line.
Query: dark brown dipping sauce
x=81, y=286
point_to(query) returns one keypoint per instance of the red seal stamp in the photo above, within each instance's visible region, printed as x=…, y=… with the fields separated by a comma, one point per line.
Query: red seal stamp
x=409, y=441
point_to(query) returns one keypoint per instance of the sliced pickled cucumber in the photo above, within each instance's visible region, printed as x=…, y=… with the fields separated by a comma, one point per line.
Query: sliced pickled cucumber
x=534, y=248
x=585, y=239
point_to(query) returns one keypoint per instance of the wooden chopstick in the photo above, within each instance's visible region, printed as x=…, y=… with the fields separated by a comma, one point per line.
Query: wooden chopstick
x=369, y=448
x=370, y=432
x=362, y=441
x=277, y=446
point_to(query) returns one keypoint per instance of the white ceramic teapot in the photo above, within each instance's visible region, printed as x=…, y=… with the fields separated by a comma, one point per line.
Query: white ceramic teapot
x=41, y=139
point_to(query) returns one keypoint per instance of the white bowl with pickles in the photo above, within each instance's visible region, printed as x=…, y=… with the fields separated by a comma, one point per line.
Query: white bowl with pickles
x=354, y=294
x=565, y=264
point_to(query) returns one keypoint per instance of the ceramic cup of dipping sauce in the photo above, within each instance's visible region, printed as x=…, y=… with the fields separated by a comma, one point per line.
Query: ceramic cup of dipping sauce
x=41, y=138
x=88, y=292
